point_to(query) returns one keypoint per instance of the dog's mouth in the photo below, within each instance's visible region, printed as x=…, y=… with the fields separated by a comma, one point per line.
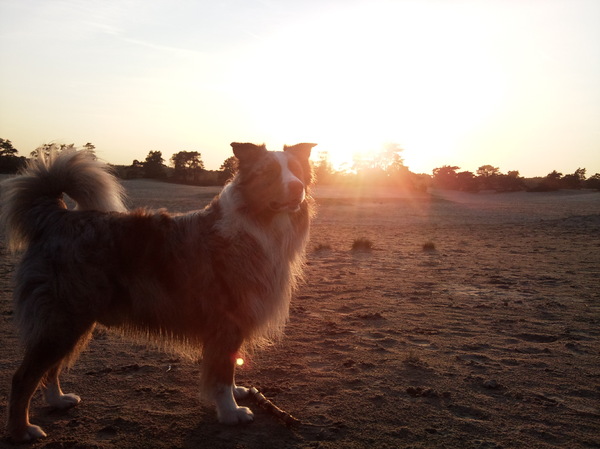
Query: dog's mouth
x=290, y=206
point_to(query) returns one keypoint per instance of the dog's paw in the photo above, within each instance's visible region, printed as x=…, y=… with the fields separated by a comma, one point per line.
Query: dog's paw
x=240, y=392
x=64, y=401
x=31, y=433
x=239, y=415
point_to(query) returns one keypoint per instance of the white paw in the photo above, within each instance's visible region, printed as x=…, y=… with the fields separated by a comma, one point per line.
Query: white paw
x=64, y=401
x=240, y=392
x=32, y=432
x=239, y=415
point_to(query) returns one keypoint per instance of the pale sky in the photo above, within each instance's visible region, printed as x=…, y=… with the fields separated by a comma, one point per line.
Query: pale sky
x=514, y=84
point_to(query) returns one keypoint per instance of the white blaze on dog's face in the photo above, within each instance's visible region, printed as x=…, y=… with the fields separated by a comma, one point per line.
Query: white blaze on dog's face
x=293, y=189
x=276, y=181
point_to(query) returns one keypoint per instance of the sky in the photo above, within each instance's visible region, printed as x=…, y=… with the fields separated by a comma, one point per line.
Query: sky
x=513, y=84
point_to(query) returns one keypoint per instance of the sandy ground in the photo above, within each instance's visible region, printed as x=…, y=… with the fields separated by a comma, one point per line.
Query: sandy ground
x=492, y=340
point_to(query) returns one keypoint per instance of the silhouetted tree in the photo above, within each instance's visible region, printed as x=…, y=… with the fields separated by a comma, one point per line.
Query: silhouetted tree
x=556, y=176
x=7, y=149
x=467, y=182
x=135, y=170
x=385, y=167
x=574, y=180
x=390, y=159
x=487, y=171
x=188, y=165
x=511, y=182
x=487, y=175
x=552, y=181
x=420, y=181
x=386, y=161
x=445, y=177
x=154, y=166
x=229, y=168
x=9, y=161
x=323, y=168
x=593, y=182
x=393, y=164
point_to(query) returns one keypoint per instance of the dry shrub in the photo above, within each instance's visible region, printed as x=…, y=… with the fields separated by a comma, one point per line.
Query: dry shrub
x=323, y=247
x=362, y=244
x=412, y=358
x=429, y=246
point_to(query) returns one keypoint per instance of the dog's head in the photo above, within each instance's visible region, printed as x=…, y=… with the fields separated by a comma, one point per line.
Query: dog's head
x=274, y=181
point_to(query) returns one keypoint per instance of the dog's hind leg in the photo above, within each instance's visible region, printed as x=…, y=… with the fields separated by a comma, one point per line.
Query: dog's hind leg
x=42, y=358
x=54, y=395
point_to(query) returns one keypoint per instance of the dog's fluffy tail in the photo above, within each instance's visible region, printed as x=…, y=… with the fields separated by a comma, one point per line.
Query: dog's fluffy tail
x=28, y=200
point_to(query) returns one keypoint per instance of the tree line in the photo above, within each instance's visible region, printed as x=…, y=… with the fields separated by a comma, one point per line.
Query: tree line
x=488, y=177
x=387, y=169
x=383, y=168
x=185, y=166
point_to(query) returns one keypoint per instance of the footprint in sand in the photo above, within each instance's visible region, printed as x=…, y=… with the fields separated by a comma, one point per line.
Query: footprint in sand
x=421, y=342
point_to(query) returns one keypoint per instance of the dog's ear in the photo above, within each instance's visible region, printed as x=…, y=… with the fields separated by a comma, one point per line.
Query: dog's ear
x=247, y=152
x=301, y=150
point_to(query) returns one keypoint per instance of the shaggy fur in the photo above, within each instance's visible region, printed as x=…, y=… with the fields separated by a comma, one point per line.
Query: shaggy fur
x=205, y=283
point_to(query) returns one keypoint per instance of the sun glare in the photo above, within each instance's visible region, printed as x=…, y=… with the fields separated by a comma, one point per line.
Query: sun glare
x=354, y=94
x=340, y=158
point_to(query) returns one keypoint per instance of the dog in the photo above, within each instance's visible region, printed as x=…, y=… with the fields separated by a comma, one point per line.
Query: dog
x=209, y=283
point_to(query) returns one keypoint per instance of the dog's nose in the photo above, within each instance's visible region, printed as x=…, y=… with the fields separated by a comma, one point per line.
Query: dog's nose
x=296, y=188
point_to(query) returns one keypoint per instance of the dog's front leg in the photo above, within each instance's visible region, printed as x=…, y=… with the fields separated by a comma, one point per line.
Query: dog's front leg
x=218, y=381
x=228, y=411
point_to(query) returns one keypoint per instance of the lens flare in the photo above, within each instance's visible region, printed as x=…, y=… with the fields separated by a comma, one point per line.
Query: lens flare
x=239, y=361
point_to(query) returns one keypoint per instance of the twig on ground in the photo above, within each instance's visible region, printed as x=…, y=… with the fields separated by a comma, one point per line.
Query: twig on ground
x=266, y=404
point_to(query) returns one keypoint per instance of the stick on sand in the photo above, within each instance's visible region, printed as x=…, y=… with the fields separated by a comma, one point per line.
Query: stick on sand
x=266, y=404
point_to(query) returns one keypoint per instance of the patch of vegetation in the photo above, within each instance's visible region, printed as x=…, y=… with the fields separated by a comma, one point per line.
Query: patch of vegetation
x=429, y=246
x=362, y=244
x=323, y=247
x=412, y=358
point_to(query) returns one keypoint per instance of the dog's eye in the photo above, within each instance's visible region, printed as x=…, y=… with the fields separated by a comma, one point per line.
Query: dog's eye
x=271, y=172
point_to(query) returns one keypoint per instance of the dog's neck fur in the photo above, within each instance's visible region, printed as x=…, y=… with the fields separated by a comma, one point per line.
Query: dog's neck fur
x=237, y=218
x=281, y=241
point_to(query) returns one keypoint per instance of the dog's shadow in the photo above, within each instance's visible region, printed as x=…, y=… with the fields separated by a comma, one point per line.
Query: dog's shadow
x=265, y=432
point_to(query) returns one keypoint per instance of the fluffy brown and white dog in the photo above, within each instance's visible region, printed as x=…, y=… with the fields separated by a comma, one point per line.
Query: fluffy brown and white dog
x=210, y=282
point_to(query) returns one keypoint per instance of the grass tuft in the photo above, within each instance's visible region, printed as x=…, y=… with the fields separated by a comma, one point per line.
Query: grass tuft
x=412, y=358
x=323, y=247
x=429, y=246
x=362, y=244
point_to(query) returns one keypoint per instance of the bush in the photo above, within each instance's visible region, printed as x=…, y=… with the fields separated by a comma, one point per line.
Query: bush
x=428, y=246
x=362, y=244
x=323, y=247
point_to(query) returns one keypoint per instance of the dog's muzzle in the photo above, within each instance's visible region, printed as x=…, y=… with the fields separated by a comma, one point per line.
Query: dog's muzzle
x=290, y=206
x=295, y=195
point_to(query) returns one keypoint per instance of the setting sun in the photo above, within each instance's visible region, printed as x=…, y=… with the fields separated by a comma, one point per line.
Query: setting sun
x=395, y=94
